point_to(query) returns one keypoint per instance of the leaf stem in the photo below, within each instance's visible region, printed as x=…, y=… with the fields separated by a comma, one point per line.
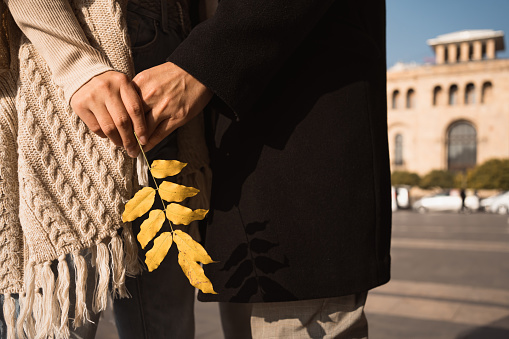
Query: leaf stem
x=155, y=182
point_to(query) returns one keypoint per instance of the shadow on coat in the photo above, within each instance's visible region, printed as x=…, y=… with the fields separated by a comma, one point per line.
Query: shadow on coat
x=251, y=268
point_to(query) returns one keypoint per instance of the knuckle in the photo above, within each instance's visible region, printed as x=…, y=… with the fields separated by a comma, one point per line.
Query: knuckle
x=136, y=109
x=120, y=77
x=78, y=102
x=129, y=143
x=96, y=129
x=140, y=77
x=109, y=129
x=123, y=121
x=102, y=84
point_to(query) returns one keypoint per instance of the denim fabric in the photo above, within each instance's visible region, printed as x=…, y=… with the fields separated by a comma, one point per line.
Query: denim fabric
x=88, y=330
x=162, y=303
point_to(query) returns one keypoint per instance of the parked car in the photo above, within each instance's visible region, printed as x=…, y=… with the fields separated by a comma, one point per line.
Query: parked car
x=394, y=203
x=486, y=202
x=403, y=196
x=500, y=204
x=446, y=201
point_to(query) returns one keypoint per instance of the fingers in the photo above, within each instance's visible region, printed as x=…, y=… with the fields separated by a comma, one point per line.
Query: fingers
x=161, y=131
x=152, y=122
x=134, y=106
x=89, y=119
x=121, y=125
x=107, y=124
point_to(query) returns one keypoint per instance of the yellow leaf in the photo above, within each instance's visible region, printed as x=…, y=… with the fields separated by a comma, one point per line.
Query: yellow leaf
x=155, y=256
x=192, y=249
x=181, y=215
x=170, y=191
x=166, y=168
x=150, y=227
x=194, y=272
x=139, y=204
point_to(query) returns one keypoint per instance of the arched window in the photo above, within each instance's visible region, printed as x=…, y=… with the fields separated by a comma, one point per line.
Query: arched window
x=398, y=150
x=395, y=99
x=453, y=95
x=470, y=94
x=487, y=89
x=410, y=98
x=437, y=96
x=461, y=146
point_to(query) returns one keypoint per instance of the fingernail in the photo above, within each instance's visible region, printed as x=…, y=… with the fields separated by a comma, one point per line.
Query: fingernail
x=143, y=140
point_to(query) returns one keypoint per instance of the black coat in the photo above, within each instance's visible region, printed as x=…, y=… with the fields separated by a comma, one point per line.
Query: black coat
x=301, y=188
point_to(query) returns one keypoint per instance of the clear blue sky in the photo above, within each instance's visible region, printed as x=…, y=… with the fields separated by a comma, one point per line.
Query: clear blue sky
x=411, y=22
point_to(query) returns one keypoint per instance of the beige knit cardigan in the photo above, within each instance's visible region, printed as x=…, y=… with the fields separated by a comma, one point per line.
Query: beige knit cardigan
x=62, y=188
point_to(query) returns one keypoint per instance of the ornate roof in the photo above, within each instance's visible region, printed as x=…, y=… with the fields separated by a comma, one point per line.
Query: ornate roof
x=469, y=35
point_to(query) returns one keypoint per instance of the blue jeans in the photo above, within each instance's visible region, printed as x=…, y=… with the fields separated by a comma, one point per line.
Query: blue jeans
x=162, y=303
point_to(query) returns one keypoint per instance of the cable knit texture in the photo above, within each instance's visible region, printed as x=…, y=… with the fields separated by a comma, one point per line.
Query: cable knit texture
x=67, y=185
x=62, y=188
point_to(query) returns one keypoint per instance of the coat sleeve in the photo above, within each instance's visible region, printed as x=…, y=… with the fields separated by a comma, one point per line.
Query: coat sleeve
x=53, y=29
x=238, y=51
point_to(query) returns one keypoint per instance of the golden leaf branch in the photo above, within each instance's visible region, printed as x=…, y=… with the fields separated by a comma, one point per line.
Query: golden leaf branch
x=190, y=252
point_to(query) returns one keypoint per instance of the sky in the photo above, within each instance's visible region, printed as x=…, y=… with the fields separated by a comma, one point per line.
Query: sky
x=411, y=22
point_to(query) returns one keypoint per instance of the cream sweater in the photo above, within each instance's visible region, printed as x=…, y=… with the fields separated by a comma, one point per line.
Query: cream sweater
x=53, y=29
x=62, y=188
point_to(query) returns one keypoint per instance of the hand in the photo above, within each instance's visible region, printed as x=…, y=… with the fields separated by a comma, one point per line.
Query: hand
x=110, y=106
x=171, y=97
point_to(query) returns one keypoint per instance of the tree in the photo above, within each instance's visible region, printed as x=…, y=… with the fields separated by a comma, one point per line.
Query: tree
x=492, y=174
x=405, y=178
x=437, y=178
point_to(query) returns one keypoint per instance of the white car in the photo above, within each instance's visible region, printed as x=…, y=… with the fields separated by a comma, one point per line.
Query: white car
x=486, y=202
x=500, y=204
x=394, y=203
x=445, y=201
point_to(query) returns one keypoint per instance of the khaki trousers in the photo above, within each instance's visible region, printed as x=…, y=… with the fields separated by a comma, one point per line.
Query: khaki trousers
x=341, y=318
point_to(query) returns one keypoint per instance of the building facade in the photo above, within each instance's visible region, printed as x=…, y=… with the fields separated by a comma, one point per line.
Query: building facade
x=452, y=114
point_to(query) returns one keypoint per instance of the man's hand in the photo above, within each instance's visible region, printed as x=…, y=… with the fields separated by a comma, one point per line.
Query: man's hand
x=171, y=97
x=110, y=106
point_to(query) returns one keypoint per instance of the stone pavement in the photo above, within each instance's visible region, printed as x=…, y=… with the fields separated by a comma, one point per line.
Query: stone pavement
x=450, y=280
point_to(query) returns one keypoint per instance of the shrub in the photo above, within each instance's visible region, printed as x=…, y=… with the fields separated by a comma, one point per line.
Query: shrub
x=437, y=178
x=405, y=178
x=492, y=174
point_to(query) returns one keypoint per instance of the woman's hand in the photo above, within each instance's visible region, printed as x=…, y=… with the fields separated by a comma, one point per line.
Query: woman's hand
x=111, y=107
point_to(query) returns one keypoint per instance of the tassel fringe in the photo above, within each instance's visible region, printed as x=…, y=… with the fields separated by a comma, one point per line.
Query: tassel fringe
x=102, y=274
x=142, y=170
x=48, y=303
x=37, y=309
x=25, y=318
x=45, y=304
x=10, y=316
x=62, y=292
x=117, y=267
x=81, y=311
x=132, y=262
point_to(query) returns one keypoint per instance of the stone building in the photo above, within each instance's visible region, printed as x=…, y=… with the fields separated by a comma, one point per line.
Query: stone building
x=452, y=114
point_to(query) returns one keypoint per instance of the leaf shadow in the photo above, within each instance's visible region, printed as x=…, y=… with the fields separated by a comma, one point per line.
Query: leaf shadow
x=252, y=268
